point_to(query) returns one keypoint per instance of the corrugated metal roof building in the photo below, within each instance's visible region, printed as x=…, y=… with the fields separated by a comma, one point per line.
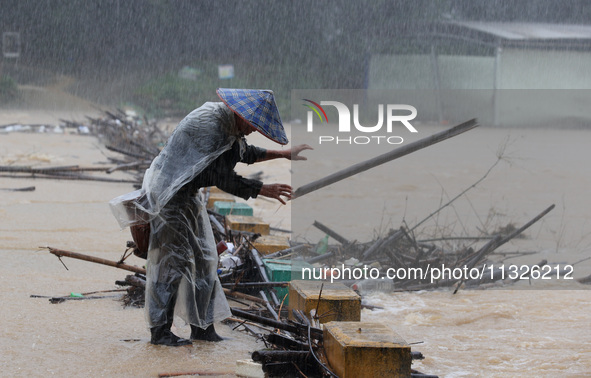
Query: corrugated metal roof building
x=516, y=73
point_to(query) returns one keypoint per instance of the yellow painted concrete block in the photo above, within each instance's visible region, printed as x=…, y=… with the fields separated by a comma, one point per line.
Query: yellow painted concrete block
x=247, y=223
x=364, y=349
x=267, y=244
x=216, y=194
x=337, y=302
x=214, y=189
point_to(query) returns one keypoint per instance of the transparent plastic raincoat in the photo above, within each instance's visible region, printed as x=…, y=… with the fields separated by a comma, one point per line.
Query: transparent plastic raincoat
x=182, y=258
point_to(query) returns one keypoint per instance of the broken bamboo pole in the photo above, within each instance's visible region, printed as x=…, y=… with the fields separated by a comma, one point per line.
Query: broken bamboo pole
x=98, y=260
x=528, y=224
x=28, y=169
x=384, y=158
x=268, y=305
x=331, y=233
x=135, y=269
x=499, y=241
x=239, y=295
x=261, y=268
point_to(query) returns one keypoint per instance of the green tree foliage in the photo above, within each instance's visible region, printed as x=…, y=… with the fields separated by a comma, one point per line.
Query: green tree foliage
x=328, y=38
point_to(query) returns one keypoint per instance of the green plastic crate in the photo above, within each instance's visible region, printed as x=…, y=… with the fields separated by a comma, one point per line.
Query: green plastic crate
x=279, y=270
x=234, y=208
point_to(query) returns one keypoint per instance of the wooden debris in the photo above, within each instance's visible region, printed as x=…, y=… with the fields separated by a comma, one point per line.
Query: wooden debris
x=61, y=253
x=384, y=158
x=137, y=140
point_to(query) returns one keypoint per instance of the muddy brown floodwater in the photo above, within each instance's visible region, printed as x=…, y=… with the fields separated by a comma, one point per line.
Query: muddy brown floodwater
x=538, y=329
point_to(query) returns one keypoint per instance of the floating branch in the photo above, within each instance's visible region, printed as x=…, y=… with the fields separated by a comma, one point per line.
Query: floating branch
x=98, y=260
x=384, y=158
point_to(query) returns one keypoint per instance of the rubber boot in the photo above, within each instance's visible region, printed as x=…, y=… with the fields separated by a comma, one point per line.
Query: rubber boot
x=162, y=335
x=207, y=334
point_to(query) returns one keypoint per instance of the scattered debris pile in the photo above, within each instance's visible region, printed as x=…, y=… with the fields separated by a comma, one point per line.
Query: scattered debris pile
x=294, y=347
x=137, y=140
x=411, y=259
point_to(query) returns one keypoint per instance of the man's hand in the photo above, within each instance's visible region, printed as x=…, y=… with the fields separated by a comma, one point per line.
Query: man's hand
x=291, y=154
x=276, y=191
x=295, y=152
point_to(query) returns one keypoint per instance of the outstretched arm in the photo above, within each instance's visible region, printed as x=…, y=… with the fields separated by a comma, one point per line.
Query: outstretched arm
x=291, y=154
x=278, y=191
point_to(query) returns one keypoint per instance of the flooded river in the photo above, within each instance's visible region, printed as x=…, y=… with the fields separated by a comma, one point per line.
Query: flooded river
x=542, y=329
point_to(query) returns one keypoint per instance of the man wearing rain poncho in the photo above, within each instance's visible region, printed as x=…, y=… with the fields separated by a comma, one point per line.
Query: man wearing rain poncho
x=182, y=259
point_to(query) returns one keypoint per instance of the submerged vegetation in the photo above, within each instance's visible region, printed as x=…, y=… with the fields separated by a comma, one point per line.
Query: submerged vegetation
x=176, y=93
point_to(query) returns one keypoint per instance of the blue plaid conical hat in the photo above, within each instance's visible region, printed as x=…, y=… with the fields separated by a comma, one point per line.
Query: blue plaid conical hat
x=258, y=108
